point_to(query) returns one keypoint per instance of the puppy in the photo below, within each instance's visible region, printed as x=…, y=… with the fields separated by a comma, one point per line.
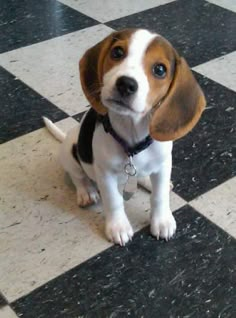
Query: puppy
x=143, y=96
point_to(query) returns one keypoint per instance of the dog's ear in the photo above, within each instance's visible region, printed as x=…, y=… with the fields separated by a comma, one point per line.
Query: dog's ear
x=181, y=108
x=91, y=68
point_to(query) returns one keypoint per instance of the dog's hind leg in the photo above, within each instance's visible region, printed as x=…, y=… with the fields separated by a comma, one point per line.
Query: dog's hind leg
x=87, y=193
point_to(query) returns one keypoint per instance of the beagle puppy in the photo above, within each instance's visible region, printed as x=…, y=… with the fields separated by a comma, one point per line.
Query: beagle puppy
x=143, y=97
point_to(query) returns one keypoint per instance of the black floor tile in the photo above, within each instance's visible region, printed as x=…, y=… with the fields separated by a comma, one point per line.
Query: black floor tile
x=24, y=22
x=193, y=275
x=22, y=108
x=200, y=31
x=3, y=301
x=206, y=157
x=79, y=116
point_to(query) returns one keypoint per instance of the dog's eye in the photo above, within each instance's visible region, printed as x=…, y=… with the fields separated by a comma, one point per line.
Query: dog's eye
x=159, y=70
x=117, y=53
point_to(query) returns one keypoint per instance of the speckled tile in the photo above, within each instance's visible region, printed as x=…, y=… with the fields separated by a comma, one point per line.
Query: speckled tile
x=227, y=4
x=219, y=205
x=206, y=157
x=43, y=232
x=190, y=276
x=107, y=10
x=79, y=116
x=221, y=70
x=3, y=301
x=7, y=312
x=27, y=22
x=22, y=108
x=65, y=125
x=51, y=67
x=199, y=30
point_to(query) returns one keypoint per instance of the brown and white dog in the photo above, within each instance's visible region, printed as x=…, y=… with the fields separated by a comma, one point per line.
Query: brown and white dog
x=136, y=80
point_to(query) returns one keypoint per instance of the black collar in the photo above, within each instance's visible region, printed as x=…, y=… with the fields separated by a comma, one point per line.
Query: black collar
x=130, y=151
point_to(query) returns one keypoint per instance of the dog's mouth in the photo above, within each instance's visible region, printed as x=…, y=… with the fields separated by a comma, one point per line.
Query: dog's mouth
x=119, y=102
x=122, y=105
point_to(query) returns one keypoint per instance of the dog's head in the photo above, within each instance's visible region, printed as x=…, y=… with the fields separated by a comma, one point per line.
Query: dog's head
x=135, y=72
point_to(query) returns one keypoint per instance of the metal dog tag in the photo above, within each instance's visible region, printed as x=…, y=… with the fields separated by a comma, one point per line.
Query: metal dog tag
x=130, y=188
x=131, y=184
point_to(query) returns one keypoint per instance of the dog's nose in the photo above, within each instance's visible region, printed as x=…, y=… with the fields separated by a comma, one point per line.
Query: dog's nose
x=126, y=86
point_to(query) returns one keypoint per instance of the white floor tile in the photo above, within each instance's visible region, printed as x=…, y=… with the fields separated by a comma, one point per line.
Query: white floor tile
x=227, y=4
x=66, y=124
x=176, y=201
x=42, y=231
x=219, y=205
x=51, y=67
x=221, y=70
x=7, y=312
x=107, y=10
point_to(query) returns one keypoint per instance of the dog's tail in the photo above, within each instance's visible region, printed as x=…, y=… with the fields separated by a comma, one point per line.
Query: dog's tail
x=54, y=130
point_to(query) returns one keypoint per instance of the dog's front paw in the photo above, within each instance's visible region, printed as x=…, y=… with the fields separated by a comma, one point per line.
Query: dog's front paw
x=119, y=230
x=163, y=226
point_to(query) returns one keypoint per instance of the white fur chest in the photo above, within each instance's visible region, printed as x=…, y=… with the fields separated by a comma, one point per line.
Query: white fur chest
x=110, y=156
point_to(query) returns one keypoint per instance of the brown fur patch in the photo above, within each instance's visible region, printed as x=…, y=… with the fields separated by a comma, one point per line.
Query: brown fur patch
x=159, y=51
x=181, y=108
x=96, y=62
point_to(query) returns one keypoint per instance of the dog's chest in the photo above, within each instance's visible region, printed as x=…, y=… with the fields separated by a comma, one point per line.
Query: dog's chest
x=150, y=160
x=111, y=156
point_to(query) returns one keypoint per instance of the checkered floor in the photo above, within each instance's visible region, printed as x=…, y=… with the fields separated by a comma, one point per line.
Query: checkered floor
x=54, y=259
